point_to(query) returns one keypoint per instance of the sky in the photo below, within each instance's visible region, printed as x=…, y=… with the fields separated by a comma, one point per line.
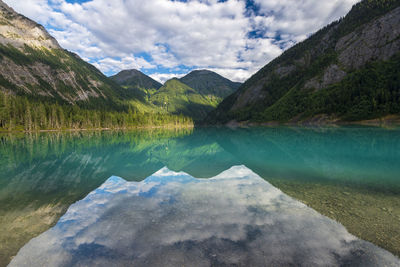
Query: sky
x=169, y=38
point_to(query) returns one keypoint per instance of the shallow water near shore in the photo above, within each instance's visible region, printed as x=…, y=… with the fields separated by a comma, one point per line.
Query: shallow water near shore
x=349, y=174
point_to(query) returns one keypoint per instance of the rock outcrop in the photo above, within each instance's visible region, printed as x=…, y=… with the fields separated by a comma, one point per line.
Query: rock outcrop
x=32, y=63
x=17, y=30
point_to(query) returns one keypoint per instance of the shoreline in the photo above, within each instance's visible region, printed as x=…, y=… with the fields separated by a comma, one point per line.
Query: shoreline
x=319, y=121
x=167, y=127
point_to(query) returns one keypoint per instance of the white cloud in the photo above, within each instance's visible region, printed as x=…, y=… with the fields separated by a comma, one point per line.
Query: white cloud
x=197, y=34
x=297, y=19
x=128, y=62
x=163, y=77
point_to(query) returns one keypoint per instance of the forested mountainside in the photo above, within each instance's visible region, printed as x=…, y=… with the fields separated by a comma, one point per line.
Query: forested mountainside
x=210, y=84
x=178, y=98
x=138, y=83
x=347, y=71
x=43, y=86
x=194, y=95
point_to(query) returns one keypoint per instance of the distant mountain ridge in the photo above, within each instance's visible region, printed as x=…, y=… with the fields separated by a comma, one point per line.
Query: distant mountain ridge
x=210, y=83
x=347, y=71
x=137, y=83
x=193, y=95
x=135, y=78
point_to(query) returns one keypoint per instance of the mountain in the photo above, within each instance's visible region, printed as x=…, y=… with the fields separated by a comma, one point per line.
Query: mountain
x=43, y=86
x=194, y=95
x=34, y=64
x=347, y=71
x=210, y=84
x=141, y=85
x=176, y=97
x=135, y=78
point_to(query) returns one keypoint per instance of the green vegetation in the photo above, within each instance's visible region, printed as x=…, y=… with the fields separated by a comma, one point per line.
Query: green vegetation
x=135, y=100
x=367, y=93
x=193, y=95
x=210, y=84
x=19, y=113
x=135, y=78
x=138, y=84
x=115, y=107
x=371, y=92
x=61, y=60
x=364, y=12
x=178, y=98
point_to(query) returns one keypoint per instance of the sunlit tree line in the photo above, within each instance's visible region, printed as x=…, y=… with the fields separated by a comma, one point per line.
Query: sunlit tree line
x=21, y=113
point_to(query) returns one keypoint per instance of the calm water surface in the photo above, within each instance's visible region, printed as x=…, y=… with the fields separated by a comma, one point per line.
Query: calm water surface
x=203, y=197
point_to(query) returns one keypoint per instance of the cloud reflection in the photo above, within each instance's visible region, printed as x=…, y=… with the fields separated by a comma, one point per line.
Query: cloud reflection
x=173, y=219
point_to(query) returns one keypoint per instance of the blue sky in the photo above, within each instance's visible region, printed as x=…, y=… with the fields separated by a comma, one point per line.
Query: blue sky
x=165, y=38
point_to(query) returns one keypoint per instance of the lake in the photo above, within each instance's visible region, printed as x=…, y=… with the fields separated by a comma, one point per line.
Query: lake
x=262, y=196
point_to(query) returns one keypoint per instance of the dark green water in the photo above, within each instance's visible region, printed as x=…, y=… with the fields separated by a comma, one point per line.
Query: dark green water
x=350, y=174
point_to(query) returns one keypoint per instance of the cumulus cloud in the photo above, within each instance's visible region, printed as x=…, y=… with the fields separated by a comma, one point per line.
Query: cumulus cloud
x=232, y=37
x=129, y=62
x=296, y=19
x=163, y=77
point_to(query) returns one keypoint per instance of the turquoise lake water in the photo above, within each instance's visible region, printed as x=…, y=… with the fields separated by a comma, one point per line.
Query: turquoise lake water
x=202, y=197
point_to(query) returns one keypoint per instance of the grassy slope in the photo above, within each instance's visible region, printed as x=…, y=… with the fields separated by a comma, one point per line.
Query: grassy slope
x=178, y=98
x=194, y=95
x=210, y=84
x=138, y=84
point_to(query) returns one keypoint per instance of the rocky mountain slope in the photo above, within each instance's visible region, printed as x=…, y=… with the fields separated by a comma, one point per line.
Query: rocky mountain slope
x=33, y=63
x=19, y=31
x=347, y=71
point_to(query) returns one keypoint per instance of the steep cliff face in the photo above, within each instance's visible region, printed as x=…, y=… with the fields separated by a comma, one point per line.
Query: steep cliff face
x=32, y=63
x=377, y=40
x=351, y=62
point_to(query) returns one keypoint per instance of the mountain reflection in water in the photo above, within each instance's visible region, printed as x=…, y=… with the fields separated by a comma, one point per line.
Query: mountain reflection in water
x=350, y=174
x=173, y=219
